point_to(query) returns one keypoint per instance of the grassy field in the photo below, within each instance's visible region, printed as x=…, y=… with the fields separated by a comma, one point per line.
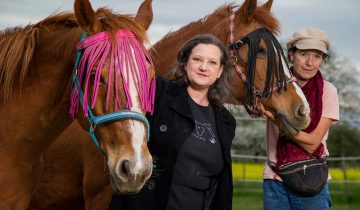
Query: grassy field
x=248, y=188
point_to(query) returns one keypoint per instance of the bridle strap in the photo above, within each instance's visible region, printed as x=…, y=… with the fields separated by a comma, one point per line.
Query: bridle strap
x=234, y=46
x=119, y=115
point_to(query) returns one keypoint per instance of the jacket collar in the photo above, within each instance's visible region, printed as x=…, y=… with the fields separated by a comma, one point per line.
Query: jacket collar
x=180, y=99
x=223, y=114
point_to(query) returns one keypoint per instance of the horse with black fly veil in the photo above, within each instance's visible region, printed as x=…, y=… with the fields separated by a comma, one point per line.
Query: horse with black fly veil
x=260, y=76
x=108, y=91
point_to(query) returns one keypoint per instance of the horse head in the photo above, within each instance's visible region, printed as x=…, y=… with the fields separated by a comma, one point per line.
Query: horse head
x=113, y=86
x=261, y=74
x=258, y=54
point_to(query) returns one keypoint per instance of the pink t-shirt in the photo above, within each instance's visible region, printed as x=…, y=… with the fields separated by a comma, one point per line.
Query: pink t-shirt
x=330, y=110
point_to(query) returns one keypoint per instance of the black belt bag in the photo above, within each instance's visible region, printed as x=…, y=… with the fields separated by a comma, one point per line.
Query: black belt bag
x=305, y=177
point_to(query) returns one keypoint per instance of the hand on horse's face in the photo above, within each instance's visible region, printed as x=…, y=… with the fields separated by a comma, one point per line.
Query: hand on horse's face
x=269, y=115
x=266, y=114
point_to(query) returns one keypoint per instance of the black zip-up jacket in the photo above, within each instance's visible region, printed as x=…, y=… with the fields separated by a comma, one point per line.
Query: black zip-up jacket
x=171, y=124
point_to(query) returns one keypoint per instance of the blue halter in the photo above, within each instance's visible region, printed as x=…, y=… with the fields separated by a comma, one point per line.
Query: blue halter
x=98, y=120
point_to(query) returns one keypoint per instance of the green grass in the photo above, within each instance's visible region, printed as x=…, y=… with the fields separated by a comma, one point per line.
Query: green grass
x=253, y=201
x=248, y=188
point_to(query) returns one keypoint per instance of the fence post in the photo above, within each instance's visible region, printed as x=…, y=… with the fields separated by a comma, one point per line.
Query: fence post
x=244, y=176
x=343, y=166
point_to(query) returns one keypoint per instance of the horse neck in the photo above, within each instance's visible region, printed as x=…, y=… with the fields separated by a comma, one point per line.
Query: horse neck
x=42, y=102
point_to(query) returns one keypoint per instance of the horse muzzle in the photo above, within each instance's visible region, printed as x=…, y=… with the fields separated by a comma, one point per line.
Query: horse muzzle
x=294, y=124
x=129, y=177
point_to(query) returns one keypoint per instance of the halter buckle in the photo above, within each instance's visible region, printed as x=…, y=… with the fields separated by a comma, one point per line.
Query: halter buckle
x=238, y=44
x=235, y=59
x=258, y=94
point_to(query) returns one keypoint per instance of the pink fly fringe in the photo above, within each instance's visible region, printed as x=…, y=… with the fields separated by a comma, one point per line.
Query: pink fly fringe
x=127, y=57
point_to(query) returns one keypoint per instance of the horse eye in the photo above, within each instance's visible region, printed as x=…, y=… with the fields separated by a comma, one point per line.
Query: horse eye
x=92, y=76
x=102, y=80
x=261, y=52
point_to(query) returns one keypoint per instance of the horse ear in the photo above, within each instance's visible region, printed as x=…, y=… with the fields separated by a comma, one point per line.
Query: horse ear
x=144, y=15
x=246, y=11
x=85, y=16
x=268, y=5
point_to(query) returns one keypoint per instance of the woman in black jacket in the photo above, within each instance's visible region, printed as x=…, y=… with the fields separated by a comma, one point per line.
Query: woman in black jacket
x=191, y=135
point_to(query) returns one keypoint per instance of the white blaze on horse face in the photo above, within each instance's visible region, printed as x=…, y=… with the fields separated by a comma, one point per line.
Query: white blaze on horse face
x=137, y=128
x=297, y=88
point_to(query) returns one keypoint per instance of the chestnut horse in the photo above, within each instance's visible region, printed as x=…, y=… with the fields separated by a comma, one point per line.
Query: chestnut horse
x=39, y=85
x=80, y=176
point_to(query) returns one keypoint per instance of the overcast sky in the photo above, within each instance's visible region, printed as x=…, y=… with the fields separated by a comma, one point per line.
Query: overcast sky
x=339, y=18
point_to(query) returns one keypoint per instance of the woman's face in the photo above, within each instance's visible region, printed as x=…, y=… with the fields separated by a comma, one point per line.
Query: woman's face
x=203, y=67
x=306, y=64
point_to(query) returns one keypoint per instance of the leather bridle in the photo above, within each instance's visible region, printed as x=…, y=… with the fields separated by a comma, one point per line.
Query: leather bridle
x=257, y=96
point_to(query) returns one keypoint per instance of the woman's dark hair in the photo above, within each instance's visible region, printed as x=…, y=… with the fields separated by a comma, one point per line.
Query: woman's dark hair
x=218, y=92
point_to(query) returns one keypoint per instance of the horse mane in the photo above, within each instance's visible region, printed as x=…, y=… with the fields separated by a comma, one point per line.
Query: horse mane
x=218, y=14
x=261, y=15
x=269, y=21
x=18, y=44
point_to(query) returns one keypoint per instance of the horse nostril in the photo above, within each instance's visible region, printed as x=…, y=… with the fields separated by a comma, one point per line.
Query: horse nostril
x=125, y=168
x=301, y=111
